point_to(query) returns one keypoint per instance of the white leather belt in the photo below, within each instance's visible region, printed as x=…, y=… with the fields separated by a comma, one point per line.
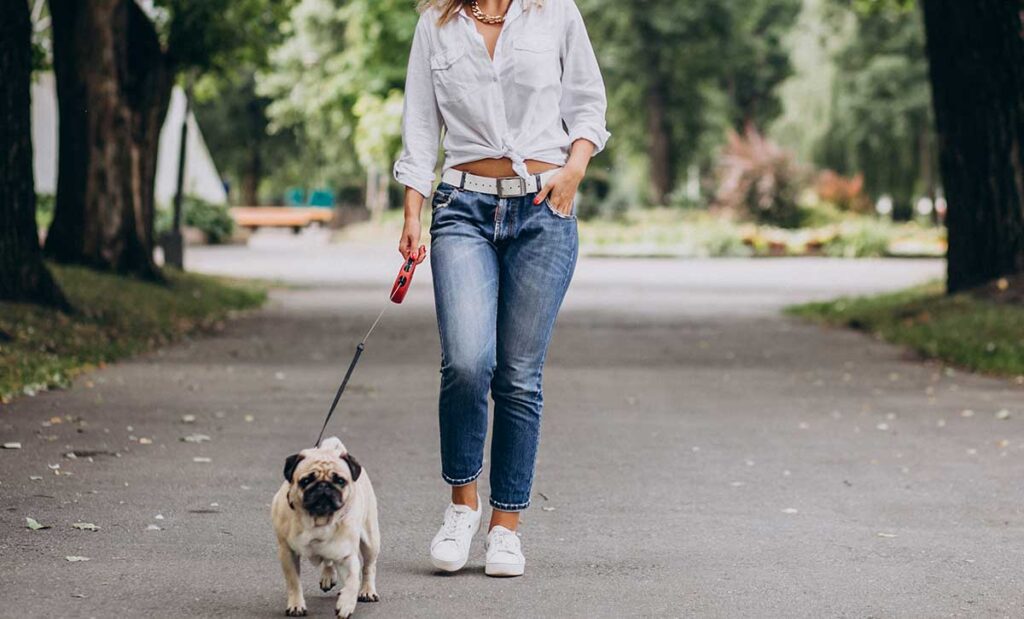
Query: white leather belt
x=508, y=187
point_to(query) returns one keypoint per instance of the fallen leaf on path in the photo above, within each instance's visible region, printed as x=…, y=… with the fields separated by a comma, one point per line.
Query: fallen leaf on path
x=791, y=510
x=153, y=527
x=886, y=535
x=1003, y=414
x=35, y=477
x=145, y=441
x=195, y=438
x=547, y=509
x=967, y=413
x=12, y=445
x=188, y=419
x=85, y=526
x=202, y=459
x=158, y=517
x=32, y=523
x=53, y=467
x=76, y=559
x=248, y=418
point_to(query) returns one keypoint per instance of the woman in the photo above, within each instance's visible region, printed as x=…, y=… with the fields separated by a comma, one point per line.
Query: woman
x=516, y=88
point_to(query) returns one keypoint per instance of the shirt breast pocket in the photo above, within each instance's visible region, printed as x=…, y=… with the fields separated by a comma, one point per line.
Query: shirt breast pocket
x=452, y=73
x=537, y=62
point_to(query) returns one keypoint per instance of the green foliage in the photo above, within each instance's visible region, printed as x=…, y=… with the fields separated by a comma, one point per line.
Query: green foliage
x=866, y=238
x=218, y=35
x=971, y=332
x=235, y=128
x=116, y=317
x=716, y=65
x=214, y=220
x=336, y=53
x=860, y=101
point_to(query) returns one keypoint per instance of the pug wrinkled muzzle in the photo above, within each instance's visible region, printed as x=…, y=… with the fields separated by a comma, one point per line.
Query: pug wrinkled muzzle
x=322, y=499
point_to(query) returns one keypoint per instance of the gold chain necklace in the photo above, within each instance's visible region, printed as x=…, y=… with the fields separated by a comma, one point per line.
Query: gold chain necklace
x=484, y=17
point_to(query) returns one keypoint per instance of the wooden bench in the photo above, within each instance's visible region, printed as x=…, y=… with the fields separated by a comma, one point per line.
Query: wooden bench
x=296, y=218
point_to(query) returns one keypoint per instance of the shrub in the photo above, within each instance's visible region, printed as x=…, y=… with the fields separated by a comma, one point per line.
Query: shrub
x=212, y=219
x=861, y=239
x=846, y=194
x=759, y=180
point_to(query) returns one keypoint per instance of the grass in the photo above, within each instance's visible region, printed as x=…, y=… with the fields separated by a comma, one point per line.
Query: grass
x=116, y=317
x=965, y=330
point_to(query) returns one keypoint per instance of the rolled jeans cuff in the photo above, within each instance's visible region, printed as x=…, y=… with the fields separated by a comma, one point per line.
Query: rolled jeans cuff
x=509, y=507
x=462, y=482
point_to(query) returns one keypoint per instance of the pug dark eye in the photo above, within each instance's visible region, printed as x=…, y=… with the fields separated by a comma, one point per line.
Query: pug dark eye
x=308, y=479
x=338, y=479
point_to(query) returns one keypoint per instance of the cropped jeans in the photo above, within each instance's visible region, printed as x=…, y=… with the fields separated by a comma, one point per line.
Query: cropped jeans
x=501, y=267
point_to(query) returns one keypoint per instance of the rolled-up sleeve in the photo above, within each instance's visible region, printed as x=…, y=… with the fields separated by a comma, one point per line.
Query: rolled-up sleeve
x=421, y=119
x=584, y=102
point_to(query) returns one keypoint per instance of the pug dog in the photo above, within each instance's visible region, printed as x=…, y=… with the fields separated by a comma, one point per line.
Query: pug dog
x=326, y=511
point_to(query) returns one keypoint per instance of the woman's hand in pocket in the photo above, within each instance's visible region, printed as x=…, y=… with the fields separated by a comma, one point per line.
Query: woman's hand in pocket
x=560, y=189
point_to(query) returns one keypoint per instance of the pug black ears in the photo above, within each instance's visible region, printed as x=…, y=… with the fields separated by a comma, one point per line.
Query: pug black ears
x=353, y=466
x=289, y=465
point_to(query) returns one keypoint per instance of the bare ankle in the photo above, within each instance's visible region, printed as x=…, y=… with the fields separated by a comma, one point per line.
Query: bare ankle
x=509, y=520
x=466, y=495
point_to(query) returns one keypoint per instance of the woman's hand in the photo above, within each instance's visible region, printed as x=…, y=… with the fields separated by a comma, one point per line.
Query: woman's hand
x=409, y=243
x=561, y=188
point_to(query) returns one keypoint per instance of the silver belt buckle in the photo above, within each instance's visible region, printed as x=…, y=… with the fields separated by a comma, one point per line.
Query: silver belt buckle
x=516, y=181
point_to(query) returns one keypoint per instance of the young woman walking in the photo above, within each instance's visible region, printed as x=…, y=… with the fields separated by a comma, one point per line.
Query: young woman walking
x=516, y=89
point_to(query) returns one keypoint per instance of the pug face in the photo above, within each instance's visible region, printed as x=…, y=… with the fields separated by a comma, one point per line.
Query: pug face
x=321, y=480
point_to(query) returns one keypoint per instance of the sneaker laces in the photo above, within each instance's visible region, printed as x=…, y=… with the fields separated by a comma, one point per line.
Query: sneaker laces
x=455, y=521
x=505, y=541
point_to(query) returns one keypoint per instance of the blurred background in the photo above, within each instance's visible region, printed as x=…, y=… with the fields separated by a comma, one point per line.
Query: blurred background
x=742, y=129
x=772, y=127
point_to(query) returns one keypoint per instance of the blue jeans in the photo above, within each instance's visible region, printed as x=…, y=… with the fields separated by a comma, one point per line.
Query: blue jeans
x=501, y=267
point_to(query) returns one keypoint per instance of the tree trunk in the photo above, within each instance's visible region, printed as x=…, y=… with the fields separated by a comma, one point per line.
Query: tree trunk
x=251, y=178
x=976, y=55
x=64, y=238
x=113, y=87
x=23, y=276
x=659, y=148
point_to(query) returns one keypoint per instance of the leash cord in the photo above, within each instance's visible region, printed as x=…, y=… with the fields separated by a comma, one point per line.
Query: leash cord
x=352, y=366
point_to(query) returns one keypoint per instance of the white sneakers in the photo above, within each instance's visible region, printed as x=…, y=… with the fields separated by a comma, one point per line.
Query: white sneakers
x=449, y=550
x=504, y=553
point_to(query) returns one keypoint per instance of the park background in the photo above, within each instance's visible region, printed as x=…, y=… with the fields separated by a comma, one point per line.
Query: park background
x=775, y=165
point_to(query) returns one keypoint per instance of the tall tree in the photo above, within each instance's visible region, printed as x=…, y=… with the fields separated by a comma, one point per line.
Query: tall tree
x=880, y=121
x=23, y=276
x=113, y=88
x=116, y=65
x=680, y=73
x=976, y=55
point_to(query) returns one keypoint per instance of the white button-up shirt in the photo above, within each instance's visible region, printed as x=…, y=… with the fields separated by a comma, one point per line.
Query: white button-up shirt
x=541, y=92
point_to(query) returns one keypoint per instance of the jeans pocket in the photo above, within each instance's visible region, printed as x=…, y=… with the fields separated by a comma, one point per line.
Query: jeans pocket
x=443, y=196
x=572, y=212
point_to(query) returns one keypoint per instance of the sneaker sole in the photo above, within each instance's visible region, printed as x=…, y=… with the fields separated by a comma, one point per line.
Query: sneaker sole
x=449, y=566
x=504, y=570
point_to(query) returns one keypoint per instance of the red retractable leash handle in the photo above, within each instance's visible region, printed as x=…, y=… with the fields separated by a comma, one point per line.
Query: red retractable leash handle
x=398, y=292
x=404, y=279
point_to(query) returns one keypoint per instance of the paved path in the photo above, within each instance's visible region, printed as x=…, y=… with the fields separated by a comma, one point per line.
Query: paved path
x=702, y=456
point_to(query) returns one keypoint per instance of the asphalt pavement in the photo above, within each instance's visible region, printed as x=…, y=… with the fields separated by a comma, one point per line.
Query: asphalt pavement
x=702, y=455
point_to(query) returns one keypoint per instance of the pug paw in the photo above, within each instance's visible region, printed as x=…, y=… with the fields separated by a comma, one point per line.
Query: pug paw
x=327, y=583
x=295, y=611
x=369, y=596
